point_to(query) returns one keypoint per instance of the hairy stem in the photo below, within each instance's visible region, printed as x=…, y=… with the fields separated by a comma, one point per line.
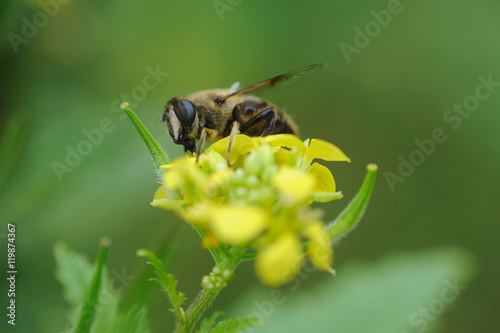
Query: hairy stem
x=205, y=297
x=200, y=304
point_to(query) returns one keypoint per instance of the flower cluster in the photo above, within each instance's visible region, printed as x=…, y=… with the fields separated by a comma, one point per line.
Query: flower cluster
x=261, y=202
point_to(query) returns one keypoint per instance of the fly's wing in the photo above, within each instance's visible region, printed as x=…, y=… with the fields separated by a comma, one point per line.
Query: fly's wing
x=276, y=82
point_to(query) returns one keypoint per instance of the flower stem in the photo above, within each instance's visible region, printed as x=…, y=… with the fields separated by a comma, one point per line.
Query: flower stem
x=205, y=297
x=200, y=304
x=213, y=252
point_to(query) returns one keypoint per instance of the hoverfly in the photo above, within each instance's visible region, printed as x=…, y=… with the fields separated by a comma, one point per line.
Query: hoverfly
x=216, y=113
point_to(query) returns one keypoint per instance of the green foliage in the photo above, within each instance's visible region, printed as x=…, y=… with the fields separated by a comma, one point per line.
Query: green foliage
x=157, y=153
x=73, y=272
x=352, y=214
x=92, y=295
x=388, y=295
x=135, y=320
x=168, y=283
x=209, y=325
x=236, y=325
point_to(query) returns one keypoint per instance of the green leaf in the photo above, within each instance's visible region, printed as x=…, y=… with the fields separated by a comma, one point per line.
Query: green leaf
x=383, y=296
x=157, y=153
x=133, y=321
x=237, y=325
x=91, y=301
x=207, y=323
x=169, y=284
x=140, y=291
x=107, y=314
x=351, y=215
x=228, y=326
x=73, y=272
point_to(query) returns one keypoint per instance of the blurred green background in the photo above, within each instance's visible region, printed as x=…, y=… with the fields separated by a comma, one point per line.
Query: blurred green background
x=66, y=76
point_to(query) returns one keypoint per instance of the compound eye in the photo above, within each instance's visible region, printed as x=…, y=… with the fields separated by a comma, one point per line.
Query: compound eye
x=185, y=112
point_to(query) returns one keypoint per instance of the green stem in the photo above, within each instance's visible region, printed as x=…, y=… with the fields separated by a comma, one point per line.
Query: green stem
x=223, y=248
x=249, y=256
x=205, y=298
x=200, y=304
x=213, y=252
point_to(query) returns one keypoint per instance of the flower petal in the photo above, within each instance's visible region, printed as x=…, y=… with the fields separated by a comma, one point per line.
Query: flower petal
x=320, y=249
x=295, y=186
x=166, y=199
x=326, y=196
x=324, y=150
x=242, y=145
x=168, y=203
x=324, y=181
x=164, y=193
x=279, y=261
x=284, y=140
x=284, y=156
x=196, y=213
x=237, y=224
x=173, y=179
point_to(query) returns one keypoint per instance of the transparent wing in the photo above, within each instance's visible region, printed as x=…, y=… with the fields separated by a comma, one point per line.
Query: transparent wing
x=276, y=82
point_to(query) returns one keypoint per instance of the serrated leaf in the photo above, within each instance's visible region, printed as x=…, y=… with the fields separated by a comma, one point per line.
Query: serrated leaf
x=140, y=291
x=73, y=272
x=384, y=296
x=168, y=282
x=237, y=325
x=207, y=323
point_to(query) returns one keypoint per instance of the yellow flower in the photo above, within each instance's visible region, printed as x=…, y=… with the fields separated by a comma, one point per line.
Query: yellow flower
x=295, y=186
x=242, y=145
x=324, y=150
x=284, y=140
x=323, y=179
x=324, y=185
x=261, y=202
x=237, y=224
x=280, y=260
x=185, y=175
x=311, y=149
x=320, y=249
x=197, y=213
